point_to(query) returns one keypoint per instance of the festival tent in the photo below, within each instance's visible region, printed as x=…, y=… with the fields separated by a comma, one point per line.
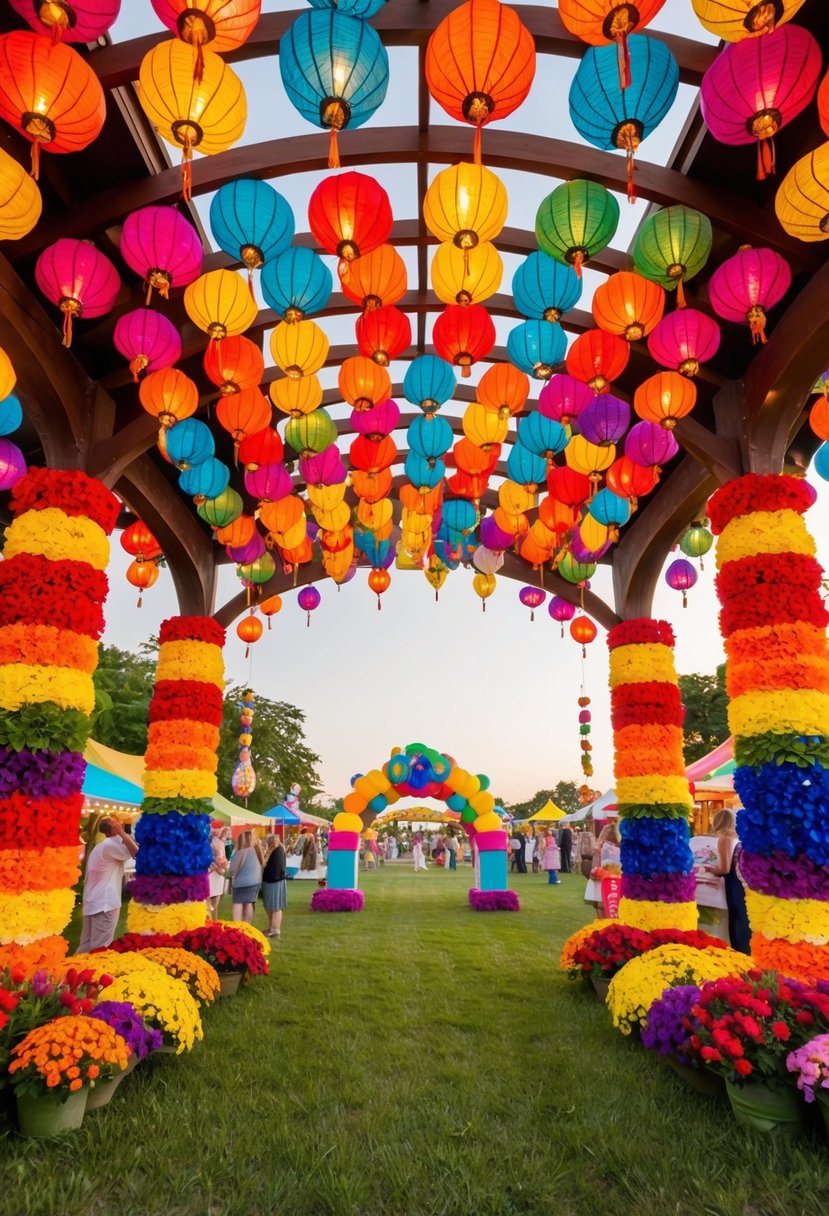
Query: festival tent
x=102, y=786
x=282, y=815
x=718, y=763
x=602, y=808
x=549, y=813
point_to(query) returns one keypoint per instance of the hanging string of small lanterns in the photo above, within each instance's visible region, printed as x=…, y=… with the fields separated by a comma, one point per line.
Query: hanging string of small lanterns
x=138, y=541
x=243, y=778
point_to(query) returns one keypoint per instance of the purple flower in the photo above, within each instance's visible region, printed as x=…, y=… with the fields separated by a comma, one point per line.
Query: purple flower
x=41, y=985
x=786, y=877
x=41, y=774
x=162, y=889
x=332, y=899
x=125, y=1020
x=665, y=1029
x=662, y=888
x=493, y=901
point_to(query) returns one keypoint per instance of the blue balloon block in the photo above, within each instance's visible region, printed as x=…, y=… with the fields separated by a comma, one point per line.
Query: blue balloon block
x=342, y=869
x=379, y=804
x=456, y=802
x=493, y=870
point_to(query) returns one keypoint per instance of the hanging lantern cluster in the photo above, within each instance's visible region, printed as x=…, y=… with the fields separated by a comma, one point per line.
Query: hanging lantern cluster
x=147, y=558
x=243, y=778
x=736, y=20
x=212, y=25
x=20, y=201
x=585, y=746
x=609, y=22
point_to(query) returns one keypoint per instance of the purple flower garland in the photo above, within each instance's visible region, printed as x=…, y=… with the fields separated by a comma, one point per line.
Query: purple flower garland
x=169, y=888
x=332, y=899
x=493, y=901
x=42, y=774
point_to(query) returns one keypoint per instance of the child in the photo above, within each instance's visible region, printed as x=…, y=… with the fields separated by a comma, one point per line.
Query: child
x=551, y=861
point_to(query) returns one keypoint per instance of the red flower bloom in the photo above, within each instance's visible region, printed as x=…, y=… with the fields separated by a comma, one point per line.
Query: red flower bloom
x=781, y=1031
x=743, y=1067
x=70, y=491
x=757, y=492
x=66, y=594
x=191, y=629
x=710, y=1054
x=193, y=700
x=640, y=631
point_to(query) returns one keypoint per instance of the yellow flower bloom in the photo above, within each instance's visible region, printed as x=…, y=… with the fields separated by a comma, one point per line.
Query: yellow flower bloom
x=793, y=920
x=164, y=1002
x=637, y=664
x=763, y=532
x=650, y=914
x=30, y=915
x=182, y=783
x=201, y=979
x=165, y=918
x=23, y=684
x=56, y=536
x=643, y=979
x=643, y=790
x=793, y=711
x=191, y=661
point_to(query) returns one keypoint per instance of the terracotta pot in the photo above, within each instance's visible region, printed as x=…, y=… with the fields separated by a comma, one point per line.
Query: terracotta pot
x=703, y=1080
x=600, y=987
x=766, y=1109
x=45, y=1115
x=230, y=981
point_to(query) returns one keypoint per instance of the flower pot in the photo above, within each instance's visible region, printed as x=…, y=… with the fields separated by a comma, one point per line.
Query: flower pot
x=101, y=1093
x=766, y=1109
x=702, y=1080
x=600, y=987
x=43, y=1115
x=230, y=981
x=167, y=1049
x=132, y=1064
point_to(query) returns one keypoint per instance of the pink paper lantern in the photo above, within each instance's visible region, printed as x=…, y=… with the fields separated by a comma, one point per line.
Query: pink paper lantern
x=308, y=599
x=159, y=244
x=148, y=340
x=754, y=87
x=532, y=598
x=683, y=340
x=746, y=285
x=324, y=469
x=268, y=483
x=379, y=420
x=79, y=279
x=86, y=20
x=561, y=610
x=563, y=398
x=12, y=464
x=648, y=444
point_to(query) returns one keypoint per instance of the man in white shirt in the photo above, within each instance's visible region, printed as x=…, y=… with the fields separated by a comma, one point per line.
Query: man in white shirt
x=103, y=884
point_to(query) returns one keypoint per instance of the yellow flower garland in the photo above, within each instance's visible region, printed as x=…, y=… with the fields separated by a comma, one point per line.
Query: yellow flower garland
x=191, y=661
x=643, y=979
x=23, y=684
x=796, y=711
x=166, y=918
x=771, y=532
x=58, y=537
x=651, y=914
x=109, y=962
x=637, y=664
x=793, y=920
x=27, y=916
x=182, y=783
x=642, y=790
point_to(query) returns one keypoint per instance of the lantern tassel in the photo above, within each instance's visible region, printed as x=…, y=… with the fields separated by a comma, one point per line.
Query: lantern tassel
x=436, y=597
x=532, y=615
x=140, y=599
x=35, y=173
x=67, y=328
x=483, y=605
x=476, y=144
x=757, y=325
x=680, y=294
x=333, y=150
x=466, y=371
x=766, y=159
x=578, y=261
x=308, y=621
x=137, y=366
x=623, y=57
x=631, y=187
x=379, y=605
x=247, y=652
x=187, y=171
x=198, y=67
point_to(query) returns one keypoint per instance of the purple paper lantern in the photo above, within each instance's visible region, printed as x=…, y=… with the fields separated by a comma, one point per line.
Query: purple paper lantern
x=681, y=576
x=79, y=279
x=755, y=86
x=561, y=610
x=268, y=483
x=683, y=340
x=494, y=537
x=159, y=244
x=580, y=551
x=243, y=555
x=308, y=599
x=563, y=398
x=12, y=464
x=324, y=469
x=379, y=420
x=532, y=598
x=605, y=420
x=147, y=340
x=746, y=285
x=650, y=445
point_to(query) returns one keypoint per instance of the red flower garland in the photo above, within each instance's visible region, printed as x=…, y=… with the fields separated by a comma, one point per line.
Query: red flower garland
x=72, y=492
x=29, y=822
x=640, y=632
x=787, y=570
x=191, y=629
x=771, y=605
x=651, y=703
x=757, y=492
x=202, y=701
x=66, y=594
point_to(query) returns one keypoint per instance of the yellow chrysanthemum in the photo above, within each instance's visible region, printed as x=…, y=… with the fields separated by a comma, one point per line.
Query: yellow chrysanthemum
x=793, y=920
x=644, y=790
x=27, y=916
x=56, y=536
x=183, y=783
x=651, y=914
x=24, y=684
x=783, y=711
x=166, y=918
x=637, y=664
x=643, y=979
x=191, y=661
x=764, y=532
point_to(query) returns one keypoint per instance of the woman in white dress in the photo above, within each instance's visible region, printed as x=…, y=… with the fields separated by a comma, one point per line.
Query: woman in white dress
x=216, y=875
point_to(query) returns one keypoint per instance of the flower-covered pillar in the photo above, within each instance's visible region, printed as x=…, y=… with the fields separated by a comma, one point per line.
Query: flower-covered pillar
x=173, y=833
x=773, y=622
x=52, y=593
x=652, y=791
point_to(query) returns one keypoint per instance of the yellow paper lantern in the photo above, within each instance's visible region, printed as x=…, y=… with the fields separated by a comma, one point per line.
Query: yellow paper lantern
x=375, y=515
x=209, y=114
x=296, y=397
x=593, y=534
x=299, y=349
x=465, y=204
x=326, y=498
x=20, y=201
x=334, y=520
x=802, y=201
x=515, y=499
x=8, y=376
x=734, y=20
x=589, y=458
x=220, y=302
x=466, y=276
x=484, y=427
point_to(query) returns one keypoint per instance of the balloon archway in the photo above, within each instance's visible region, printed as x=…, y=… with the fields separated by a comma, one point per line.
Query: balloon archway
x=418, y=771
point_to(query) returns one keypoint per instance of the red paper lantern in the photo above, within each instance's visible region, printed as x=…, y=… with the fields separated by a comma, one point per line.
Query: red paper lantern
x=597, y=358
x=568, y=486
x=234, y=364
x=583, y=631
x=379, y=581
x=383, y=334
x=243, y=413
x=463, y=334
x=139, y=542
x=373, y=455
x=630, y=480
x=262, y=447
x=350, y=215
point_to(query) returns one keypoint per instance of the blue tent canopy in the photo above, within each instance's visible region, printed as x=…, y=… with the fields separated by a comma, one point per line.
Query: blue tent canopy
x=98, y=783
x=282, y=814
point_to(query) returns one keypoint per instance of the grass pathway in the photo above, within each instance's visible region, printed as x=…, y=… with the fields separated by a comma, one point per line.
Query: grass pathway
x=416, y=1059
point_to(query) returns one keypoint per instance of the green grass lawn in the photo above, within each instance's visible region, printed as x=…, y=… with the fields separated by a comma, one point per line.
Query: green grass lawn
x=416, y=1059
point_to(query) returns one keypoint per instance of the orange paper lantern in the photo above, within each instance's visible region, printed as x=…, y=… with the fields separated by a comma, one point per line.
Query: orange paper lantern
x=375, y=279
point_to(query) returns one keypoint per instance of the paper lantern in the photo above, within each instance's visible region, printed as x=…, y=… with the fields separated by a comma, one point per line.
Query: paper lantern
x=296, y=283
x=466, y=276
x=372, y=455
x=251, y=222
x=270, y=607
x=11, y=413
x=589, y=458
x=69, y=20
x=335, y=71
x=672, y=246
x=650, y=445
x=609, y=510
x=209, y=114
x=746, y=285
x=379, y=581
x=160, y=245
x=485, y=428
x=630, y=480
x=818, y=417
x=189, y=443
x=147, y=340
x=484, y=585
x=220, y=25
x=308, y=600
x=583, y=631
x=563, y=398
x=8, y=376
x=220, y=304
x=296, y=397
x=49, y=94
x=697, y=541
x=78, y=279
x=754, y=87
x=665, y=398
x=243, y=413
x=379, y=420
x=139, y=542
x=238, y=533
x=556, y=517
x=463, y=335
x=525, y=468
x=532, y=598
x=597, y=358
x=383, y=334
x=575, y=222
x=480, y=64
x=568, y=485
x=802, y=202
x=311, y=433
x=608, y=116
x=504, y=389
x=429, y=436
x=234, y=364
x=143, y=575
x=268, y=482
x=545, y=289
x=259, y=571
x=429, y=383
x=600, y=22
x=561, y=610
x=169, y=396
x=205, y=480
x=363, y=383
x=20, y=201
x=574, y=571
x=376, y=279
x=249, y=630
x=299, y=349
x=541, y=435
x=222, y=510
x=349, y=214
x=628, y=305
x=734, y=20
x=537, y=347
x=681, y=576
x=683, y=340
x=465, y=204
x=12, y=464
x=605, y=420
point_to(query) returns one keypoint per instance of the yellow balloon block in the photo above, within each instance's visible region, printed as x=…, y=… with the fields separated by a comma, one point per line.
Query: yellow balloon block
x=482, y=802
x=364, y=787
x=392, y=795
x=345, y=822
x=455, y=775
x=489, y=823
x=379, y=781
x=468, y=786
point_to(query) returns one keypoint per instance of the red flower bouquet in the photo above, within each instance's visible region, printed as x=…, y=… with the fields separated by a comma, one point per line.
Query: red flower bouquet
x=640, y=632
x=757, y=492
x=70, y=491
x=607, y=950
x=191, y=629
x=225, y=948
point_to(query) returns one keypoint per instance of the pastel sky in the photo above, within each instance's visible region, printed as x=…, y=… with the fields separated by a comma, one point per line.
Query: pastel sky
x=494, y=690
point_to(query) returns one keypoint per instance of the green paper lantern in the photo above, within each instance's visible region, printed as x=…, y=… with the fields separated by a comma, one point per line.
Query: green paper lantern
x=312, y=433
x=259, y=571
x=696, y=541
x=573, y=571
x=221, y=510
x=672, y=246
x=576, y=222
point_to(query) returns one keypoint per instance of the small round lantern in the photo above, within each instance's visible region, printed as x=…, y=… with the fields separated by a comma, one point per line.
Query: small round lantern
x=220, y=304
x=734, y=20
x=650, y=445
x=12, y=464
x=628, y=305
x=383, y=334
x=583, y=631
x=251, y=222
x=696, y=542
x=463, y=335
x=308, y=600
x=597, y=358
x=561, y=610
x=249, y=630
x=681, y=576
x=746, y=285
x=532, y=598
x=665, y=398
x=484, y=586
x=143, y=575
x=379, y=581
x=270, y=607
x=78, y=279
x=169, y=396
x=683, y=340
x=220, y=25
x=147, y=340
x=576, y=221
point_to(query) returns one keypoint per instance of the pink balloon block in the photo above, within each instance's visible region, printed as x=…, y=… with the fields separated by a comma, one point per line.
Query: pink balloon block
x=492, y=842
x=343, y=842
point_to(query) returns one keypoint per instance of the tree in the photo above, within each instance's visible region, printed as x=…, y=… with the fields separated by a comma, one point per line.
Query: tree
x=706, y=713
x=565, y=794
x=281, y=755
x=123, y=687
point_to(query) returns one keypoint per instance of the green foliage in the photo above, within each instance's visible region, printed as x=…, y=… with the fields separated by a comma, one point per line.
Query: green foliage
x=44, y=727
x=123, y=687
x=281, y=755
x=770, y=748
x=706, y=713
x=565, y=794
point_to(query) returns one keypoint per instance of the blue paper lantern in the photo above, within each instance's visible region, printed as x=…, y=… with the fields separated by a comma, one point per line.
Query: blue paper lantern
x=609, y=509
x=429, y=437
x=523, y=466
x=11, y=415
x=608, y=116
x=544, y=289
x=296, y=283
x=335, y=71
x=352, y=8
x=536, y=347
x=542, y=435
x=205, y=480
x=429, y=383
x=251, y=221
x=821, y=461
x=459, y=517
x=189, y=443
x=422, y=472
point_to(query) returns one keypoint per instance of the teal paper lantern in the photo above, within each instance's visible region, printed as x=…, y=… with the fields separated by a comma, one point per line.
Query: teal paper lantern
x=251, y=221
x=11, y=415
x=429, y=437
x=609, y=509
x=296, y=284
x=543, y=436
x=537, y=347
x=422, y=472
x=429, y=383
x=524, y=467
x=189, y=443
x=544, y=289
x=205, y=480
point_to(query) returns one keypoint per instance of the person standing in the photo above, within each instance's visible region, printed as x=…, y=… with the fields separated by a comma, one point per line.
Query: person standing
x=451, y=850
x=103, y=885
x=550, y=859
x=566, y=848
x=216, y=874
x=274, y=885
x=308, y=864
x=728, y=857
x=246, y=875
x=518, y=855
x=417, y=852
